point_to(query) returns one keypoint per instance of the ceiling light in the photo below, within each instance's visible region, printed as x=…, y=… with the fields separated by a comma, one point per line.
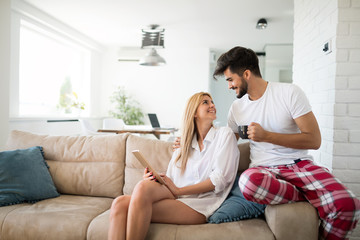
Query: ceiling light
x=152, y=59
x=261, y=24
x=152, y=38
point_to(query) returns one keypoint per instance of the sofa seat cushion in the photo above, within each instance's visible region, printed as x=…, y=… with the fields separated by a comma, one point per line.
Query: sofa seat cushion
x=241, y=230
x=4, y=211
x=64, y=217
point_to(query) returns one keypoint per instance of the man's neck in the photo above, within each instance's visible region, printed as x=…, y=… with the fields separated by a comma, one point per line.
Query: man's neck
x=257, y=88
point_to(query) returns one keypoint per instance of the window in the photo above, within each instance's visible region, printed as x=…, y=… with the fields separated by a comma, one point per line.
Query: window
x=54, y=74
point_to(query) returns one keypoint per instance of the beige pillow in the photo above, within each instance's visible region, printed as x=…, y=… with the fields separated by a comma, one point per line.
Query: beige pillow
x=157, y=153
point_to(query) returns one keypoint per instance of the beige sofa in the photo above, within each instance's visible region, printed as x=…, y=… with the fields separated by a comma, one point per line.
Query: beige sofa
x=89, y=172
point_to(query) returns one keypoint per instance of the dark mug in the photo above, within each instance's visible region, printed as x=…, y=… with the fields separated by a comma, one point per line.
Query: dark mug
x=243, y=131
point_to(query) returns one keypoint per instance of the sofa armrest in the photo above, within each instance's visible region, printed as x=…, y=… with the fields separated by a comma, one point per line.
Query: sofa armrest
x=293, y=221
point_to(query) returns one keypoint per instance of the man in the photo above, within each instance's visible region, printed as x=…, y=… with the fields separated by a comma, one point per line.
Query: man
x=281, y=129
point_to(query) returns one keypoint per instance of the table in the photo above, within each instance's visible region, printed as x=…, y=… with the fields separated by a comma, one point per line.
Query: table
x=157, y=133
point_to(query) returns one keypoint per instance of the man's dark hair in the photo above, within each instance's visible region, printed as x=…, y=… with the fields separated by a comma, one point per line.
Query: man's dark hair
x=238, y=59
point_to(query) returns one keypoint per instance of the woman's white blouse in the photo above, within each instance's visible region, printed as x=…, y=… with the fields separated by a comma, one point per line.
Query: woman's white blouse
x=218, y=161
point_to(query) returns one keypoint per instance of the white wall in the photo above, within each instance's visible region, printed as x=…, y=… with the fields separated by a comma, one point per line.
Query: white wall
x=4, y=69
x=347, y=96
x=332, y=81
x=163, y=90
x=222, y=96
x=314, y=23
x=278, y=62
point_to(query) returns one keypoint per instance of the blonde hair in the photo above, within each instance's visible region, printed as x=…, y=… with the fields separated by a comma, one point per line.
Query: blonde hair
x=189, y=128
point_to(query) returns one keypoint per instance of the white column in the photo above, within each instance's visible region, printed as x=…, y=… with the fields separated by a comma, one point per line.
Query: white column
x=5, y=15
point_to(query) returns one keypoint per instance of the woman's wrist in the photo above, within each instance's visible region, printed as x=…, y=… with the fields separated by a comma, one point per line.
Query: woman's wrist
x=178, y=192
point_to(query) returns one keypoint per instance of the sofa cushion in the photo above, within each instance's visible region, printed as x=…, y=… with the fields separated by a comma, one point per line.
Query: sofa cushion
x=284, y=220
x=24, y=177
x=157, y=152
x=99, y=227
x=65, y=217
x=241, y=230
x=78, y=163
x=236, y=207
x=5, y=210
x=244, y=161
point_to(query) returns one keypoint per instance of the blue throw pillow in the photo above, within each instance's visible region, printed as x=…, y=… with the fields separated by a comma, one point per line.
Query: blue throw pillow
x=236, y=207
x=25, y=177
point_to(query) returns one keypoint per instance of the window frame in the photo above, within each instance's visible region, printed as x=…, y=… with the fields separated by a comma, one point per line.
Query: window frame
x=22, y=11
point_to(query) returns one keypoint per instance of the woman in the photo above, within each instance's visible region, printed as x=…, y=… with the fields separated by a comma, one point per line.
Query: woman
x=199, y=177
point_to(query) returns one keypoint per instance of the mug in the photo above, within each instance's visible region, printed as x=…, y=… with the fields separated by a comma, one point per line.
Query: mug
x=243, y=131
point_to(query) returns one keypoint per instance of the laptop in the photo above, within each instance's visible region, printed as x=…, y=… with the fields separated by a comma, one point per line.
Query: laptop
x=155, y=123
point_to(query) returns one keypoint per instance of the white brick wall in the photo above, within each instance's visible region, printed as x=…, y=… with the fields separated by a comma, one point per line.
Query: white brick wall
x=348, y=43
x=332, y=81
x=315, y=23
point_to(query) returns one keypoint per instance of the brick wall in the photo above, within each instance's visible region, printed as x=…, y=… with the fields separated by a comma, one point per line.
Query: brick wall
x=332, y=81
x=313, y=70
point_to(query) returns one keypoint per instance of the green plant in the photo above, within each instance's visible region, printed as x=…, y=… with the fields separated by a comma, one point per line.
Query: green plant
x=126, y=108
x=69, y=99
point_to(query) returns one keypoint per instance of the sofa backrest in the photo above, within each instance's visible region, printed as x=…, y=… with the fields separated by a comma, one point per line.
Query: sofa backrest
x=158, y=153
x=81, y=165
x=244, y=160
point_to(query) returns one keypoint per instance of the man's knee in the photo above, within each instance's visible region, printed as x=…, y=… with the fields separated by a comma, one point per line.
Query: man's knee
x=349, y=206
x=252, y=176
x=250, y=180
x=346, y=207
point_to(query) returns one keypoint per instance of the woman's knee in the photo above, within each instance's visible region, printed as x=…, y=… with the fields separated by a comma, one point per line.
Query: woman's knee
x=143, y=191
x=142, y=188
x=120, y=205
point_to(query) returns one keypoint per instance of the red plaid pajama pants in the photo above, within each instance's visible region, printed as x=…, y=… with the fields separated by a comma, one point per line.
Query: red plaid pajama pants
x=337, y=206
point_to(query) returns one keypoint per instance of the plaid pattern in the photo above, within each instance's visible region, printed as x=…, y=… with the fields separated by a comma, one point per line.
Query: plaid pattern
x=337, y=206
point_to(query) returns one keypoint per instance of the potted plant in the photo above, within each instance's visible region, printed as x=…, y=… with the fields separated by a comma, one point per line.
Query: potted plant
x=126, y=108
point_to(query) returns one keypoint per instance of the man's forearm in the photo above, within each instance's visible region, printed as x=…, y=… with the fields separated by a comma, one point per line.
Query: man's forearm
x=297, y=140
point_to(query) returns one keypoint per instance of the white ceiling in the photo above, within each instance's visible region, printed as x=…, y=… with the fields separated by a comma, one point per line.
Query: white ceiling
x=216, y=24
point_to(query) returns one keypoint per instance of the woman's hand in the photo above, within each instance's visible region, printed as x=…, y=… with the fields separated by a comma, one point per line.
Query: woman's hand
x=170, y=185
x=148, y=175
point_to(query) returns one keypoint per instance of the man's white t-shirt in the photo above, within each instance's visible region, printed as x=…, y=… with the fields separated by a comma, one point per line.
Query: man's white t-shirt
x=275, y=111
x=218, y=161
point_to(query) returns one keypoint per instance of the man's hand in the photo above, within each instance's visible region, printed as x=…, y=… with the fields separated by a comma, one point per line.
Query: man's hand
x=256, y=132
x=308, y=138
x=176, y=144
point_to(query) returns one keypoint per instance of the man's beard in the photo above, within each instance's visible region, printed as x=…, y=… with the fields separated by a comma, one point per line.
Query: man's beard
x=243, y=88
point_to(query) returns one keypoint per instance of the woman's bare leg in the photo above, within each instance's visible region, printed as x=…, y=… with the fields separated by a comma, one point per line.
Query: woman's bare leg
x=140, y=208
x=175, y=212
x=118, y=218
